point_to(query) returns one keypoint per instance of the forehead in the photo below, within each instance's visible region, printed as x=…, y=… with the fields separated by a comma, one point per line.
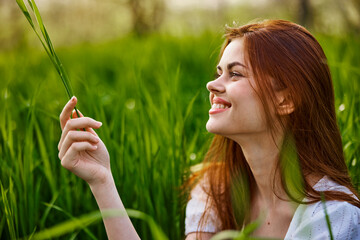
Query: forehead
x=234, y=51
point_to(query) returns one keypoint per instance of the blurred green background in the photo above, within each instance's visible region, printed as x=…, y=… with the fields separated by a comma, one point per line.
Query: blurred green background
x=140, y=67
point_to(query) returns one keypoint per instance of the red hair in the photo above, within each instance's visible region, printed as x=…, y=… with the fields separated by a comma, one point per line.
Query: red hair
x=282, y=56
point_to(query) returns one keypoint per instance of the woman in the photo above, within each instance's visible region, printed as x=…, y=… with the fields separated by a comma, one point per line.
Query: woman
x=276, y=152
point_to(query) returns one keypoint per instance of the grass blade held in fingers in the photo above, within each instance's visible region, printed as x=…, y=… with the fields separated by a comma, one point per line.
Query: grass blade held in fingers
x=47, y=44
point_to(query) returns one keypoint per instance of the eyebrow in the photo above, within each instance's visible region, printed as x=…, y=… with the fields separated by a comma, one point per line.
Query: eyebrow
x=231, y=65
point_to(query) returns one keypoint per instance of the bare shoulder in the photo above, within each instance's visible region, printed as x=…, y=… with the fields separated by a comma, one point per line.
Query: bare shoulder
x=203, y=236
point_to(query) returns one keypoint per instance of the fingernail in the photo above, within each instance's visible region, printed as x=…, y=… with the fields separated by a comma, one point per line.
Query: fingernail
x=73, y=98
x=99, y=123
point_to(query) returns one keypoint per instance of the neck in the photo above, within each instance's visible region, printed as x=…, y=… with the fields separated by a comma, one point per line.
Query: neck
x=262, y=154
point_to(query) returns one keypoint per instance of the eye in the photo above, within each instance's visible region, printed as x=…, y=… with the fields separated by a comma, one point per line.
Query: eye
x=236, y=74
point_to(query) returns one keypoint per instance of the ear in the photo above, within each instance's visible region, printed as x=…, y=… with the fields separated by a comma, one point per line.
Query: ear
x=284, y=103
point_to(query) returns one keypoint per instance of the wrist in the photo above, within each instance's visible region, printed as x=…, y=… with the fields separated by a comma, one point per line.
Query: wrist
x=106, y=194
x=102, y=183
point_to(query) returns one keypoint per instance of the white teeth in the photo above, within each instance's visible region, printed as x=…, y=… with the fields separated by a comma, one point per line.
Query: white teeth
x=219, y=106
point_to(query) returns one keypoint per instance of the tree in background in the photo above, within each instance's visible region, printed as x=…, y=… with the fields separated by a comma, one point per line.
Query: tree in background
x=351, y=21
x=305, y=16
x=147, y=15
x=347, y=11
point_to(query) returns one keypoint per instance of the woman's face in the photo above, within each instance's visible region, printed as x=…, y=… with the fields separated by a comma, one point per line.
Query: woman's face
x=235, y=107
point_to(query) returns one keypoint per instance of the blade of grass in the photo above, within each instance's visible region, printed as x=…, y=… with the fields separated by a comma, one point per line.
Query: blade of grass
x=50, y=206
x=24, y=10
x=2, y=225
x=50, y=49
x=48, y=46
x=9, y=214
x=68, y=226
x=326, y=216
x=86, y=220
x=41, y=26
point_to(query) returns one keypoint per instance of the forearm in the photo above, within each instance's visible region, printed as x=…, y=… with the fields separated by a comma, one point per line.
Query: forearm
x=107, y=197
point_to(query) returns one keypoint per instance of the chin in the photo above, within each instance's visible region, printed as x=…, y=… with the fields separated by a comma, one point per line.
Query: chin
x=212, y=128
x=209, y=127
x=220, y=129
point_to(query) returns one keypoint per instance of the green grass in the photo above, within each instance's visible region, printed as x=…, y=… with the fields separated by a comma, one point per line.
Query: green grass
x=141, y=92
x=150, y=95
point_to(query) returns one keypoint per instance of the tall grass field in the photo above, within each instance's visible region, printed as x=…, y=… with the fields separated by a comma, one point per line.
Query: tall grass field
x=150, y=95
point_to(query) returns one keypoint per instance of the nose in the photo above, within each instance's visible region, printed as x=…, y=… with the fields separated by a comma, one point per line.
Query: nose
x=216, y=86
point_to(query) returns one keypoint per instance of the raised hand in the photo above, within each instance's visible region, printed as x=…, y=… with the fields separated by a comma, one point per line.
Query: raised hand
x=82, y=152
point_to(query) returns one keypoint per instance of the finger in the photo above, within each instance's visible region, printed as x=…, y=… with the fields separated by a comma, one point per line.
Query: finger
x=75, y=115
x=76, y=136
x=78, y=123
x=66, y=112
x=69, y=161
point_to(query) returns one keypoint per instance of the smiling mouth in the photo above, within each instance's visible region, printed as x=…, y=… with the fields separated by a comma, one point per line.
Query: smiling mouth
x=219, y=105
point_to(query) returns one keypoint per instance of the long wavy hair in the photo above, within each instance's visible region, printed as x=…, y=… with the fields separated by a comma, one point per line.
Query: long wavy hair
x=282, y=56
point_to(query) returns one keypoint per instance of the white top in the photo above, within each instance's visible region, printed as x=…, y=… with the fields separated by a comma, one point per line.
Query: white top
x=308, y=222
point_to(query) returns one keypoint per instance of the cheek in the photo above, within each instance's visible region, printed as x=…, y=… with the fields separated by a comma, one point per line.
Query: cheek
x=248, y=107
x=245, y=99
